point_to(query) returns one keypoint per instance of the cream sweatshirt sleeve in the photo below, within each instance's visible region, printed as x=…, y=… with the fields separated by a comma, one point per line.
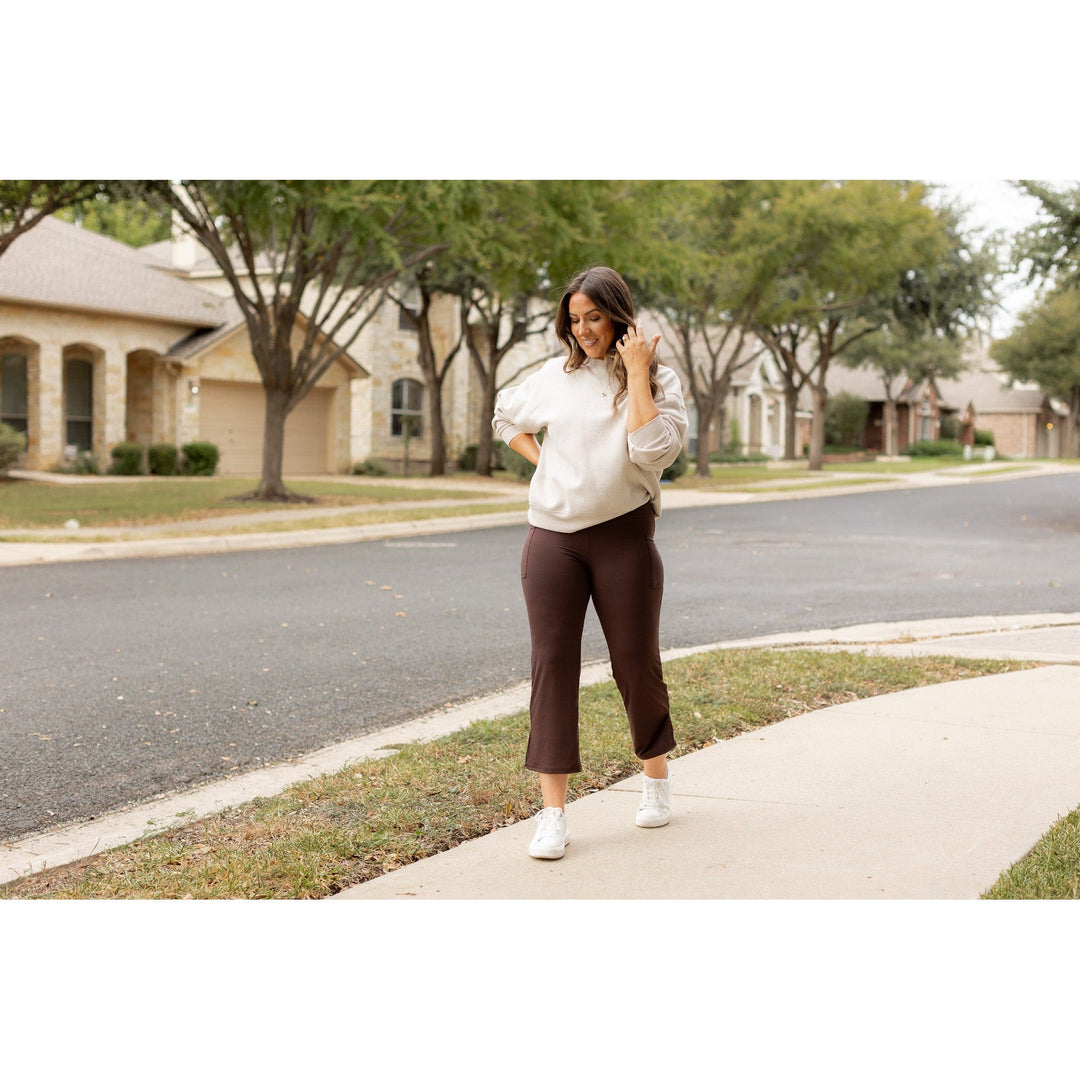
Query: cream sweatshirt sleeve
x=656, y=445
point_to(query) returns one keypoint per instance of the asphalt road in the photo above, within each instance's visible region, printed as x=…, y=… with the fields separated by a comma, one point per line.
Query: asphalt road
x=123, y=679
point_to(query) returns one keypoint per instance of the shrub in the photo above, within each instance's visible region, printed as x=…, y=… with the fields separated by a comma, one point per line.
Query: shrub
x=984, y=438
x=163, y=459
x=127, y=459
x=199, y=459
x=514, y=463
x=82, y=464
x=934, y=448
x=467, y=461
x=370, y=467
x=12, y=444
x=676, y=468
x=845, y=419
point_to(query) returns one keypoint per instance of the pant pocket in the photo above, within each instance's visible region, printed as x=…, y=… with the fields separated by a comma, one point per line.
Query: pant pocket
x=525, y=552
x=656, y=566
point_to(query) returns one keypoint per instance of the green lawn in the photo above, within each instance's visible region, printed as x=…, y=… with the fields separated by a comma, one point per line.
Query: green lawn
x=28, y=504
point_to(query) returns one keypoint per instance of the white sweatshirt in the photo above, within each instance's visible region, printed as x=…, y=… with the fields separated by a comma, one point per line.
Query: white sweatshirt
x=590, y=469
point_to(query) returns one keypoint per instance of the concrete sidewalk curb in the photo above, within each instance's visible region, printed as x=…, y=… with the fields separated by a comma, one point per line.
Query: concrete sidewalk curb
x=66, y=844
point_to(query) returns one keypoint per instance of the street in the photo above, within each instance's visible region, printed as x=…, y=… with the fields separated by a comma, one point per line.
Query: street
x=126, y=678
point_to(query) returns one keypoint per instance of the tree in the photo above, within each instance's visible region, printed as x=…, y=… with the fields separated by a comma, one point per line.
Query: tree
x=1050, y=249
x=523, y=236
x=682, y=259
x=24, y=203
x=309, y=262
x=1044, y=347
x=131, y=221
x=433, y=366
x=837, y=252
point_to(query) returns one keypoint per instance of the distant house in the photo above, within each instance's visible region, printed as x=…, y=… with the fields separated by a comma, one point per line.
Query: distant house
x=99, y=346
x=1023, y=419
x=917, y=406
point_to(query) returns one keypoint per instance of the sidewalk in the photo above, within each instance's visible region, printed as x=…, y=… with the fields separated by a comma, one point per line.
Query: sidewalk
x=924, y=794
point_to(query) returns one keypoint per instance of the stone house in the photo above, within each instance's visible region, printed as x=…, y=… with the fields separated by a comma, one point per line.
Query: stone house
x=99, y=346
x=101, y=343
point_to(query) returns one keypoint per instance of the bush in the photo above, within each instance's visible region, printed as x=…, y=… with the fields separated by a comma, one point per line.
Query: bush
x=934, y=448
x=735, y=457
x=12, y=444
x=845, y=420
x=199, y=459
x=370, y=467
x=127, y=459
x=514, y=463
x=984, y=438
x=676, y=468
x=467, y=461
x=163, y=459
x=82, y=464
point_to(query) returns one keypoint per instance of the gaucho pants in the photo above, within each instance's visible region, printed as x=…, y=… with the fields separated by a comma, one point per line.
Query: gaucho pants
x=617, y=565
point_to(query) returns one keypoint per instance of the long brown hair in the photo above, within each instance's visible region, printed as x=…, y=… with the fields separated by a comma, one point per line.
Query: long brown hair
x=611, y=295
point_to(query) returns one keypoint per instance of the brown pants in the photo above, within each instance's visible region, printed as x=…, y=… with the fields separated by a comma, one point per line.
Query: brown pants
x=616, y=564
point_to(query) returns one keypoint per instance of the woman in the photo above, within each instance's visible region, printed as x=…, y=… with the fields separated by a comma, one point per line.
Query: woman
x=613, y=419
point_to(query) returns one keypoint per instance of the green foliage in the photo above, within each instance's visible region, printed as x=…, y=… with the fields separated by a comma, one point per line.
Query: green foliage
x=370, y=467
x=845, y=419
x=514, y=463
x=131, y=221
x=934, y=448
x=1044, y=346
x=12, y=444
x=84, y=463
x=24, y=203
x=984, y=438
x=199, y=459
x=163, y=459
x=1050, y=249
x=128, y=459
x=467, y=458
x=677, y=468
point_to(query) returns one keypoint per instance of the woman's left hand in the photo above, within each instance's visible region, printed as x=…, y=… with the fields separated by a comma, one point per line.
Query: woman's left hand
x=636, y=351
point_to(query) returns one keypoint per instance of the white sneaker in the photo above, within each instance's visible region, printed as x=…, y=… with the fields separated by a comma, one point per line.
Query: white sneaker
x=552, y=835
x=654, y=809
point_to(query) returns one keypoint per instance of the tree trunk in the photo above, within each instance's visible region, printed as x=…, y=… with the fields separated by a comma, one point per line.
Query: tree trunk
x=888, y=420
x=817, y=426
x=272, y=486
x=704, y=430
x=791, y=410
x=486, y=437
x=438, y=434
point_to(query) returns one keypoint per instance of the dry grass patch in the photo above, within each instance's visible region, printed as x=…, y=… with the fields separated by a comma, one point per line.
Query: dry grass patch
x=369, y=818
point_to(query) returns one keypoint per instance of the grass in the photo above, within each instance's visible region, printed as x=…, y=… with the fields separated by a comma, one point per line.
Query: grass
x=326, y=834
x=33, y=505
x=1050, y=871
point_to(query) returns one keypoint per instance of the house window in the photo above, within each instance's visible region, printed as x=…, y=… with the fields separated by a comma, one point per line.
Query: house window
x=406, y=405
x=406, y=318
x=79, y=403
x=13, y=391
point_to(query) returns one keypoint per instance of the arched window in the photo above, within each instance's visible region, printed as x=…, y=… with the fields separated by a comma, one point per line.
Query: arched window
x=79, y=403
x=407, y=405
x=14, y=398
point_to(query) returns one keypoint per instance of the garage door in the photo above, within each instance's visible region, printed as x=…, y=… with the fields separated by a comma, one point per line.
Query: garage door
x=231, y=416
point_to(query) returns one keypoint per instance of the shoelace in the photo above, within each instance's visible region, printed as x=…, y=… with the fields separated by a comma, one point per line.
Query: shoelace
x=651, y=793
x=547, y=824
